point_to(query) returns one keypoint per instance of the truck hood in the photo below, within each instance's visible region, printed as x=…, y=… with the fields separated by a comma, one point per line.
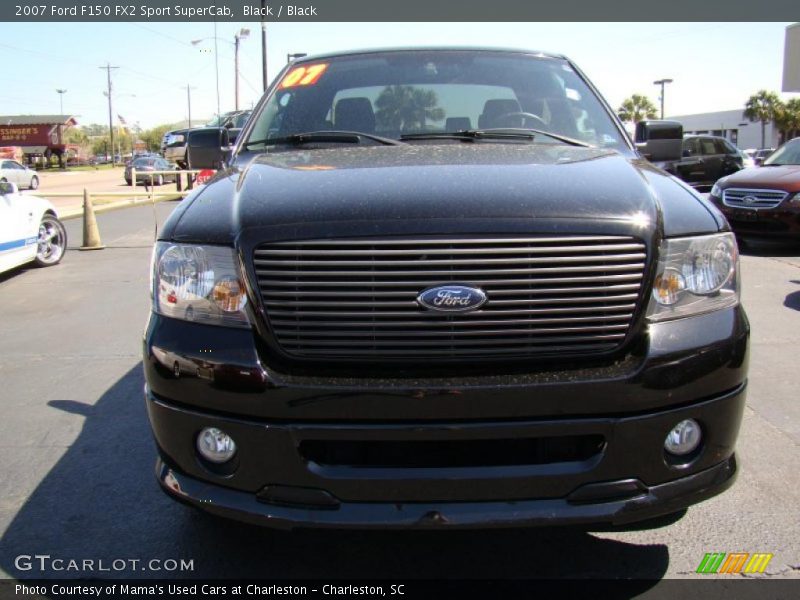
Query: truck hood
x=372, y=190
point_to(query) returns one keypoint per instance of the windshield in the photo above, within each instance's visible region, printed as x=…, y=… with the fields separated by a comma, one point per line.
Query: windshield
x=144, y=162
x=392, y=94
x=788, y=154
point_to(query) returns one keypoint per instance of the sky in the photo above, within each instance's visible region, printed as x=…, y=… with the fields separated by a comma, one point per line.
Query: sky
x=715, y=66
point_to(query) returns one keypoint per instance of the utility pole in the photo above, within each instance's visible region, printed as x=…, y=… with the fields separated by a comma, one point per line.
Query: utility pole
x=264, y=45
x=108, y=68
x=662, y=83
x=189, y=89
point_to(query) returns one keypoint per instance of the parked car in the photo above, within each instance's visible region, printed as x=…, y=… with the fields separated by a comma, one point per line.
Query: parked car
x=144, y=165
x=173, y=144
x=761, y=155
x=747, y=160
x=18, y=174
x=764, y=201
x=445, y=290
x=705, y=159
x=29, y=230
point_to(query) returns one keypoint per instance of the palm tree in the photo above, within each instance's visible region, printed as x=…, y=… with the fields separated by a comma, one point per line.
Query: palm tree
x=637, y=108
x=404, y=107
x=787, y=119
x=762, y=107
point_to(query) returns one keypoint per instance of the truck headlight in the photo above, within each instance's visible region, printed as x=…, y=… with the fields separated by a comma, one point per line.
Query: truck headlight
x=198, y=283
x=716, y=191
x=695, y=275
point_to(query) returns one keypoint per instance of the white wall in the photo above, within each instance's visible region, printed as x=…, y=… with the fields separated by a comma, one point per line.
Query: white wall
x=729, y=124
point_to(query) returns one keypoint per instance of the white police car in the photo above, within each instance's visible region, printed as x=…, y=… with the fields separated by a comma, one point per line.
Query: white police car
x=29, y=230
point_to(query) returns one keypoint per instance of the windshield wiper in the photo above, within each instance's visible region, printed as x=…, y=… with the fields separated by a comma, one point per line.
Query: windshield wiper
x=494, y=134
x=332, y=136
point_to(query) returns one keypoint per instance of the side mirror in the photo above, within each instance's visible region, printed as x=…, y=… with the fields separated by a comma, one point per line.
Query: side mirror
x=659, y=140
x=7, y=188
x=208, y=148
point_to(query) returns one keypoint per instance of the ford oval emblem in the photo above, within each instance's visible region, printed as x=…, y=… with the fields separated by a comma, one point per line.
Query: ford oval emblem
x=749, y=200
x=452, y=298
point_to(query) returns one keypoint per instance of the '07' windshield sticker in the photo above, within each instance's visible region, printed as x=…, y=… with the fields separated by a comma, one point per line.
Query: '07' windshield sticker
x=308, y=75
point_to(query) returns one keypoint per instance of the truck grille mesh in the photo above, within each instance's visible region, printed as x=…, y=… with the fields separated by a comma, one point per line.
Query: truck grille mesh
x=356, y=298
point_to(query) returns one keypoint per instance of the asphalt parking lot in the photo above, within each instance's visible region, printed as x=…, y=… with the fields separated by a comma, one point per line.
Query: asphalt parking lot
x=76, y=467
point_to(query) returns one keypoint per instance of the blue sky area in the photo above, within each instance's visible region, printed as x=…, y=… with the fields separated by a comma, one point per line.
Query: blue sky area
x=716, y=66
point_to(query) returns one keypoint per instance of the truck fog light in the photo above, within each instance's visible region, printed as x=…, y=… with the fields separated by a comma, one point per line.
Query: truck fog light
x=684, y=438
x=215, y=445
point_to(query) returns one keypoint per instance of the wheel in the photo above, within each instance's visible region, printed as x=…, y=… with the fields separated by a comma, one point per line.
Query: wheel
x=129, y=181
x=160, y=180
x=3, y=180
x=52, y=242
x=524, y=116
x=34, y=183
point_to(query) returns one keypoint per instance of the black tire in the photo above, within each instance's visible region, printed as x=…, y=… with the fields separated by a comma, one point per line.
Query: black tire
x=52, y=242
x=3, y=180
x=129, y=181
x=34, y=183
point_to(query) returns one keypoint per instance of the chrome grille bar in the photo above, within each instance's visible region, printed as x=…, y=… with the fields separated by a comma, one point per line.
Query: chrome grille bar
x=753, y=199
x=356, y=298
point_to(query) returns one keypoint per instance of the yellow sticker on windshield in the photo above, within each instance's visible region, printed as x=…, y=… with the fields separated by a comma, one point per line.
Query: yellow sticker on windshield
x=303, y=75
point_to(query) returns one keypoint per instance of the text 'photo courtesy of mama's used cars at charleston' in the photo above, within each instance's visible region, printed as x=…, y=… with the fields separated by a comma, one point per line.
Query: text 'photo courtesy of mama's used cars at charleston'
x=442, y=288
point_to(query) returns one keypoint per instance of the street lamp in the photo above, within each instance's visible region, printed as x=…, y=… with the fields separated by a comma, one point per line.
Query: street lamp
x=61, y=100
x=662, y=83
x=242, y=34
x=295, y=56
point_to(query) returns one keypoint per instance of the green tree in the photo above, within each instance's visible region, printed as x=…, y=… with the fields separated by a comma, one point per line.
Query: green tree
x=637, y=108
x=405, y=108
x=762, y=107
x=152, y=137
x=787, y=119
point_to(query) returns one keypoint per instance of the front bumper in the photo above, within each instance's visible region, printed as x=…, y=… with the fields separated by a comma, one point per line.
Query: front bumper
x=649, y=503
x=204, y=376
x=781, y=222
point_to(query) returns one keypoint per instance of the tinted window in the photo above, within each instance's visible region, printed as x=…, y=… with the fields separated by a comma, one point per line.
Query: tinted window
x=788, y=154
x=144, y=162
x=392, y=94
x=707, y=146
x=691, y=147
x=723, y=147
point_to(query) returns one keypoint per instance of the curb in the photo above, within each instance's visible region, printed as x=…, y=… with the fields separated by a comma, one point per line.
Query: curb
x=76, y=213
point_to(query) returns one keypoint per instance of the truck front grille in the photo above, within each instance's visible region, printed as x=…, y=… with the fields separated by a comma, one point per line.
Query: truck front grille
x=356, y=298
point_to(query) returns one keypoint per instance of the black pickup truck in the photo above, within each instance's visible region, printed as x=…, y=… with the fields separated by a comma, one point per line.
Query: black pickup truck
x=173, y=144
x=443, y=288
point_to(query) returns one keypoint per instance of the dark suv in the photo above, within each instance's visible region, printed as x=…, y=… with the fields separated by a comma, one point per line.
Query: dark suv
x=442, y=288
x=706, y=158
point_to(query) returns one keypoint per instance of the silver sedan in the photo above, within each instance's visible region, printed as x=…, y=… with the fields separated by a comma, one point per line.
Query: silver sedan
x=21, y=176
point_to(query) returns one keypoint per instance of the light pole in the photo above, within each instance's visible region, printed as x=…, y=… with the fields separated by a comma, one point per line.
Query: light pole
x=295, y=56
x=662, y=83
x=263, y=46
x=242, y=34
x=61, y=100
x=189, y=89
x=239, y=35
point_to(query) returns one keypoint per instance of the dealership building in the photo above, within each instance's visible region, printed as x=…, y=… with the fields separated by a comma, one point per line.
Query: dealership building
x=731, y=125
